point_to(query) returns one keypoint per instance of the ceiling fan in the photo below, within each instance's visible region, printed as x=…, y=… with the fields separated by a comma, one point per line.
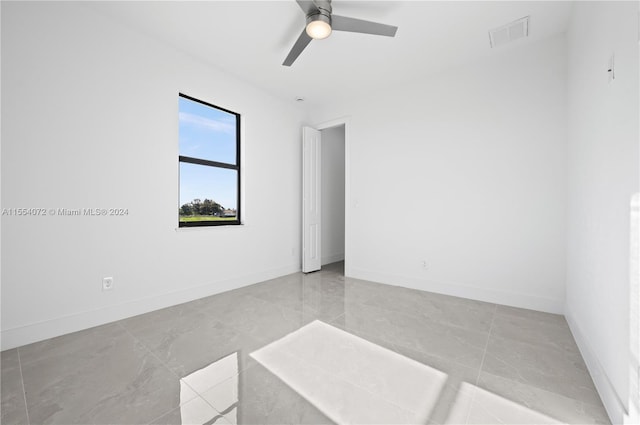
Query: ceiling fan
x=320, y=23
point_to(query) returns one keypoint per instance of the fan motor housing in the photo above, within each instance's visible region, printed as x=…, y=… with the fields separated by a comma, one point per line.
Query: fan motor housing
x=319, y=17
x=323, y=6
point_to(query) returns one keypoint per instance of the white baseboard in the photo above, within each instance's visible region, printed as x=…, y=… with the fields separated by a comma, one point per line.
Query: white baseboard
x=34, y=332
x=531, y=302
x=612, y=403
x=332, y=258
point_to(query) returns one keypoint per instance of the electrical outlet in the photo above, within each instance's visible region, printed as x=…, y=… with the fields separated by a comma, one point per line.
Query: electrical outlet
x=425, y=265
x=107, y=284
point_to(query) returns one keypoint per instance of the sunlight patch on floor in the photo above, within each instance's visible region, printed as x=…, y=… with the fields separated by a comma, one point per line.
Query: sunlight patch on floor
x=352, y=380
x=475, y=405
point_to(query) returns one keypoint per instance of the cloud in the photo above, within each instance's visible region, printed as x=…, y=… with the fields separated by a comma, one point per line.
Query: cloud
x=225, y=126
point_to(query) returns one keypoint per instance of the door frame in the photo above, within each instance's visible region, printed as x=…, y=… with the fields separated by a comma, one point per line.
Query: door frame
x=346, y=121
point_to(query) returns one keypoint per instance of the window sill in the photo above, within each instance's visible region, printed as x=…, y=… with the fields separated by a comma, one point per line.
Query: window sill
x=192, y=228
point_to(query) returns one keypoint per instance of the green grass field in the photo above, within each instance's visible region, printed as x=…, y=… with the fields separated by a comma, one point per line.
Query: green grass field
x=185, y=219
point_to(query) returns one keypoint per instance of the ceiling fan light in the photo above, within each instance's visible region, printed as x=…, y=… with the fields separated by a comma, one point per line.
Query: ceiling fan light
x=319, y=27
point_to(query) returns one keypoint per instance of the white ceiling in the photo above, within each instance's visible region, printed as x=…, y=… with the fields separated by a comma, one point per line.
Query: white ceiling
x=250, y=39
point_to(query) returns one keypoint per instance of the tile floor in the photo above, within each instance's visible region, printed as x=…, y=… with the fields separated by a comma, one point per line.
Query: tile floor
x=237, y=357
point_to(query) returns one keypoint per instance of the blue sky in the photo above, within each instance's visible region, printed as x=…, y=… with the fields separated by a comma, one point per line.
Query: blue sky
x=207, y=133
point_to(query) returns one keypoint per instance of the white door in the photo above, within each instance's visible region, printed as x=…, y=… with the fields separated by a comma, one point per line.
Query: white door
x=311, y=207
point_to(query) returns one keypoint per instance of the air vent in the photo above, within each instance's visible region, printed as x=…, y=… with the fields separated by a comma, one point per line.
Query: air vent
x=509, y=32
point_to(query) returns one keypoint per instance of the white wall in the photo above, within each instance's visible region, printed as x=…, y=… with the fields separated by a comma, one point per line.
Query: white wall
x=333, y=218
x=466, y=171
x=89, y=112
x=603, y=175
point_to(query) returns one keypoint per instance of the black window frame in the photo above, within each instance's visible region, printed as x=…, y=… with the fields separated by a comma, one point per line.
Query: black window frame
x=215, y=164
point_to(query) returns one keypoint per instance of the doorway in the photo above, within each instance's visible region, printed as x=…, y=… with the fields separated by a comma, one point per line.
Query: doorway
x=332, y=149
x=325, y=174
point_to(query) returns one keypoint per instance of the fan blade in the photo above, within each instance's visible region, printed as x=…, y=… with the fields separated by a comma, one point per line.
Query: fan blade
x=307, y=6
x=297, y=48
x=342, y=23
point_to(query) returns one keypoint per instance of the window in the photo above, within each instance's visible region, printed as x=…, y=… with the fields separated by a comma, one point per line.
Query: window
x=209, y=159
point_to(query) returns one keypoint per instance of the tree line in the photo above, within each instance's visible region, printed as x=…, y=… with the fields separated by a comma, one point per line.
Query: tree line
x=198, y=207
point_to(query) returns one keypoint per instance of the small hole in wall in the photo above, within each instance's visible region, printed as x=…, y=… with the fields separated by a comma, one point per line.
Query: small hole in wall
x=611, y=70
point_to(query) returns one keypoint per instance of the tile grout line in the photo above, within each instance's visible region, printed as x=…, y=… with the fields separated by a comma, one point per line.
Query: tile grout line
x=279, y=304
x=333, y=321
x=486, y=346
x=366, y=335
x=197, y=394
x=343, y=378
x=153, y=354
x=445, y=323
x=24, y=392
x=163, y=364
x=146, y=348
x=396, y=347
x=164, y=414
